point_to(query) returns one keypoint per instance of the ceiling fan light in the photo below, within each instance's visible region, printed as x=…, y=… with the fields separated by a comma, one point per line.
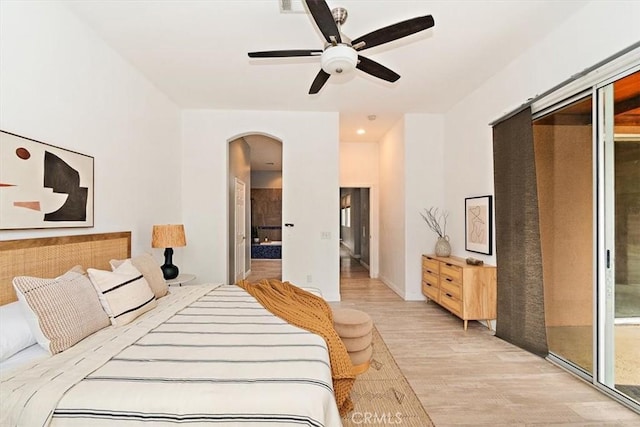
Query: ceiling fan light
x=339, y=59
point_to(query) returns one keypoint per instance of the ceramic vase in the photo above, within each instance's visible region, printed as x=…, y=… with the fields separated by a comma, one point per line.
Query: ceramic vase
x=443, y=248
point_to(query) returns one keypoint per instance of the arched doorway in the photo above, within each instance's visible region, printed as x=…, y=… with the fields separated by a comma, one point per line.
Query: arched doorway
x=255, y=207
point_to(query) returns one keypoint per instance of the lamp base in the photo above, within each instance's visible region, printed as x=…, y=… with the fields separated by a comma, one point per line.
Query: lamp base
x=169, y=271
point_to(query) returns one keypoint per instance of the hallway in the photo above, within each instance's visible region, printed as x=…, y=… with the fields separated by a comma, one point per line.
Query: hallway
x=350, y=267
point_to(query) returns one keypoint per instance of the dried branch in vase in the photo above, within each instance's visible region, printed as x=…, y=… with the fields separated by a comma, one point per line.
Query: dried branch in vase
x=436, y=220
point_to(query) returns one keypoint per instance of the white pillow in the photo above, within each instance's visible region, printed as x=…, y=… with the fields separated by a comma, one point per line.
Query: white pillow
x=15, y=334
x=32, y=321
x=123, y=292
x=60, y=311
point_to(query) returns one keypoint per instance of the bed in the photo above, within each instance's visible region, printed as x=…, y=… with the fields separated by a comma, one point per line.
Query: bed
x=204, y=355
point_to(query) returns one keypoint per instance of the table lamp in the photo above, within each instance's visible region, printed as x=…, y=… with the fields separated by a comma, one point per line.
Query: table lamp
x=168, y=236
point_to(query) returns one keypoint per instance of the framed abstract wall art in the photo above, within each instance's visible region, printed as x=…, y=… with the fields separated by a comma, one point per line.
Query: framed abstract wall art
x=478, y=226
x=42, y=186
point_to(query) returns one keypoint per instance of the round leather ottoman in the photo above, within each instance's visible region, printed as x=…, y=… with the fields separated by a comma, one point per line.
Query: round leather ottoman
x=355, y=328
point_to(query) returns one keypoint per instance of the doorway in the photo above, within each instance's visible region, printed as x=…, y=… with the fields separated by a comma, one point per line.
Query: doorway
x=587, y=155
x=355, y=234
x=256, y=161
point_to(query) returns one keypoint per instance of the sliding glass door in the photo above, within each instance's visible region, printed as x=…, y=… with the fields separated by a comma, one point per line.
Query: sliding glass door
x=619, y=260
x=587, y=155
x=563, y=146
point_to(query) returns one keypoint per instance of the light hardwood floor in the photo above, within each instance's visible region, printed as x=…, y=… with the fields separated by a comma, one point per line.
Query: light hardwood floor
x=265, y=269
x=473, y=378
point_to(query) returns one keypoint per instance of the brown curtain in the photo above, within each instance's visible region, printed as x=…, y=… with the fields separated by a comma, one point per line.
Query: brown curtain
x=520, y=287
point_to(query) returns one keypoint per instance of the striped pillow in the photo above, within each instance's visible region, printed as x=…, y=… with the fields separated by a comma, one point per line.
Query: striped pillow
x=151, y=271
x=124, y=292
x=65, y=310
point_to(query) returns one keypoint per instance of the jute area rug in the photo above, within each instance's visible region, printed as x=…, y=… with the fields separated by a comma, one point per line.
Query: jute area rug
x=382, y=395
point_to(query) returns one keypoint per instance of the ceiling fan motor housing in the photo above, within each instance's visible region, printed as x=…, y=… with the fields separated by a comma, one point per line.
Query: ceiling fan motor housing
x=339, y=59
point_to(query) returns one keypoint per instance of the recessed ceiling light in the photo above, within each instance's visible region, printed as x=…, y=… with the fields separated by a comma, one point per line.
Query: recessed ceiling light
x=360, y=132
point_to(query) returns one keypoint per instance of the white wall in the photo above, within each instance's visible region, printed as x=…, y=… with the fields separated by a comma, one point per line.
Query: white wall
x=411, y=179
x=359, y=163
x=61, y=84
x=392, y=208
x=594, y=33
x=424, y=187
x=310, y=197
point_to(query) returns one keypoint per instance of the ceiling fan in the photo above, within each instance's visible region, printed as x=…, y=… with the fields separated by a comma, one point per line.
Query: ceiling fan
x=340, y=54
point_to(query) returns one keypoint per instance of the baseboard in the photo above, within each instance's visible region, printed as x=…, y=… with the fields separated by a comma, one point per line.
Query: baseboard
x=391, y=286
x=415, y=297
x=331, y=297
x=486, y=324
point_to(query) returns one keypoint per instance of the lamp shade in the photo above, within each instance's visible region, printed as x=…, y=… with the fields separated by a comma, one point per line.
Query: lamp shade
x=168, y=236
x=339, y=59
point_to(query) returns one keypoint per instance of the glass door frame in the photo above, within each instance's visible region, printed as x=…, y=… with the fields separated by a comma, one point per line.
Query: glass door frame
x=604, y=274
x=572, y=100
x=605, y=255
x=593, y=84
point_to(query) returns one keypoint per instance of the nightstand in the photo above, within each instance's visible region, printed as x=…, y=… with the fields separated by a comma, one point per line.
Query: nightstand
x=183, y=278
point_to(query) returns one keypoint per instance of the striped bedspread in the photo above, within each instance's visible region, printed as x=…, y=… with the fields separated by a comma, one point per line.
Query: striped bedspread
x=208, y=355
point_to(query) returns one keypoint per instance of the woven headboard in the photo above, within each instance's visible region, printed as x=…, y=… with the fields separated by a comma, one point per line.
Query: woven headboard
x=52, y=256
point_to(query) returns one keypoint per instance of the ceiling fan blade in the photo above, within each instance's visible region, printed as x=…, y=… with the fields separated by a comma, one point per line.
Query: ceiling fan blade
x=376, y=70
x=394, y=32
x=285, y=53
x=319, y=81
x=324, y=19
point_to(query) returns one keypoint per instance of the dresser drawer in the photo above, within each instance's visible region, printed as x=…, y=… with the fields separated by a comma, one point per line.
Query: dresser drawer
x=451, y=288
x=430, y=291
x=452, y=304
x=431, y=279
x=430, y=265
x=427, y=275
x=430, y=275
x=451, y=272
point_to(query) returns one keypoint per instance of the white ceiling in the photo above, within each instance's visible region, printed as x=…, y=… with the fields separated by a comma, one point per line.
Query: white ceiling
x=195, y=51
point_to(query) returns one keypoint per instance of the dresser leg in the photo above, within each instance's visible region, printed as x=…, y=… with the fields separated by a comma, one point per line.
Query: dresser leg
x=465, y=324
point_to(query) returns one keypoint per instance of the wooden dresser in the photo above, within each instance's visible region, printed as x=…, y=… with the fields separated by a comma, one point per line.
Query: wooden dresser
x=468, y=291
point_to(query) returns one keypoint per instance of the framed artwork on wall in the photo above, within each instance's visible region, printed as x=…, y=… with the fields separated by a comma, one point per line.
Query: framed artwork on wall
x=43, y=186
x=478, y=230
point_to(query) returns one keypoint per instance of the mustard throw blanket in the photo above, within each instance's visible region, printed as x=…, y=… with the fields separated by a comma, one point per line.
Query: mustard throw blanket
x=310, y=312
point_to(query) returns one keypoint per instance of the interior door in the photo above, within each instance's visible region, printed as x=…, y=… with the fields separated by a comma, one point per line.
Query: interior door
x=240, y=231
x=364, y=225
